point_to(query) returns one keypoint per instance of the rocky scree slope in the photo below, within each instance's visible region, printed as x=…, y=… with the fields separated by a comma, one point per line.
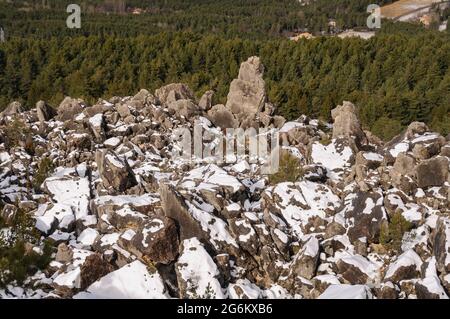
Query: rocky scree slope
x=128, y=220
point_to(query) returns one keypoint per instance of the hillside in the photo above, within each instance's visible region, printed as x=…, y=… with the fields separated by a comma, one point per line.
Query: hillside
x=353, y=218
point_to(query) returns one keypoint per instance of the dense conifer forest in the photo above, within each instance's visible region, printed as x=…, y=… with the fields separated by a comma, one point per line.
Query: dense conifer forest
x=399, y=76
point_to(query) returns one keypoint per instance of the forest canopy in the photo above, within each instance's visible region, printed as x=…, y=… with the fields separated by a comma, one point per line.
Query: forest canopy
x=399, y=76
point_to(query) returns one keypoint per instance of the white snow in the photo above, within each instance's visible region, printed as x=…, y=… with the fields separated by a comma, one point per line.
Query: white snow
x=289, y=126
x=109, y=239
x=96, y=120
x=408, y=258
x=112, y=142
x=132, y=200
x=282, y=236
x=88, y=236
x=70, y=279
x=211, y=176
x=132, y=281
x=198, y=271
x=328, y=278
x=311, y=247
x=74, y=192
x=371, y=156
x=241, y=167
x=345, y=291
x=399, y=148
x=331, y=158
x=425, y=138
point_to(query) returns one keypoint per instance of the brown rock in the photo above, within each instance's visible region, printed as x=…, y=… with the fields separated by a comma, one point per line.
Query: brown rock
x=441, y=246
x=157, y=240
x=432, y=172
x=174, y=207
x=247, y=93
x=205, y=102
x=94, y=268
x=69, y=108
x=346, y=123
x=44, y=111
x=115, y=172
x=222, y=117
x=174, y=92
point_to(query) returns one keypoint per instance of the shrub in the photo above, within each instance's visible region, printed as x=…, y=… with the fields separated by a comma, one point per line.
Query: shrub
x=45, y=168
x=391, y=234
x=17, y=259
x=325, y=140
x=289, y=169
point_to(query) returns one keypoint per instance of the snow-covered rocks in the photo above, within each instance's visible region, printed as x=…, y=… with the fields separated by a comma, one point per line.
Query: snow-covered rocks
x=70, y=189
x=114, y=171
x=197, y=273
x=364, y=215
x=132, y=281
x=137, y=222
x=155, y=240
x=211, y=177
x=406, y=266
x=356, y=269
x=347, y=292
x=430, y=286
x=301, y=203
x=305, y=262
x=336, y=157
x=442, y=245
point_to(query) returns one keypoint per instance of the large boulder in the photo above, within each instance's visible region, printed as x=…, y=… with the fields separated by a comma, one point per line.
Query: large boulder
x=70, y=107
x=346, y=123
x=402, y=173
x=416, y=128
x=365, y=215
x=44, y=111
x=247, y=94
x=355, y=269
x=156, y=241
x=197, y=274
x=222, y=117
x=115, y=172
x=432, y=172
x=406, y=266
x=175, y=207
x=142, y=98
x=206, y=100
x=174, y=92
x=12, y=109
x=183, y=108
x=441, y=244
x=429, y=287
